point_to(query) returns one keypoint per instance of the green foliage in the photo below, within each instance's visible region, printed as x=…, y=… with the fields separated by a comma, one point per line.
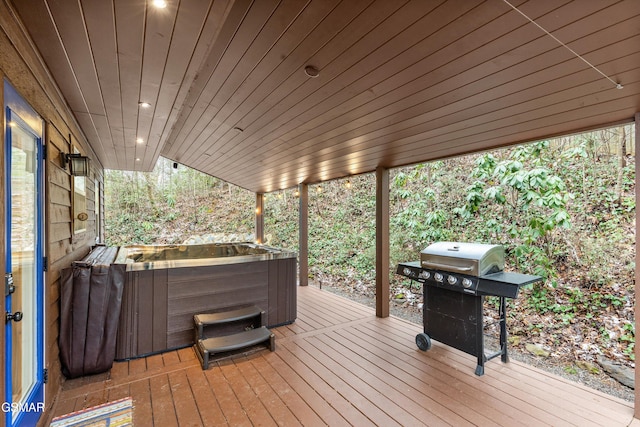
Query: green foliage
x=170, y=205
x=419, y=214
x=572, y=370
x=522, y=187
x=630, y=337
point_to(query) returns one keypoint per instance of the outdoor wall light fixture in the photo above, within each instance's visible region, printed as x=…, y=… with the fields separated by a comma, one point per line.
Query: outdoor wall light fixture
x=78, y=164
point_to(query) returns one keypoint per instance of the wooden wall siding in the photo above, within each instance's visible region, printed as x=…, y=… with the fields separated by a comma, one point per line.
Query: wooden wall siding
x=400, y=82
x=60, y=195
x=63, y=246
x=58, y=247
x=23, y=68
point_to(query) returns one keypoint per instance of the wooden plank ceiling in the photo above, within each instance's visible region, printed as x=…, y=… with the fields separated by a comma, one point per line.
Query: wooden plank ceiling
x=399, y=82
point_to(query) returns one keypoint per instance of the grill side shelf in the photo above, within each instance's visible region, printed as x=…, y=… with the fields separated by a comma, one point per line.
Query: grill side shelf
x=505, y=284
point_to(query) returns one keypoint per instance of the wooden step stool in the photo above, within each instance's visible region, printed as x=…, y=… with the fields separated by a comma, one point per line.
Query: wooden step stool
x=213, y=337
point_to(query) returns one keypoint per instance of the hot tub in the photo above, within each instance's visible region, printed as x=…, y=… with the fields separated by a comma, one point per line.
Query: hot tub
x=165, y=285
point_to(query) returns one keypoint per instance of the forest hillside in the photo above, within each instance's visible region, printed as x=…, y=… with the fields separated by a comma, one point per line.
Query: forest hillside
x=564, y=209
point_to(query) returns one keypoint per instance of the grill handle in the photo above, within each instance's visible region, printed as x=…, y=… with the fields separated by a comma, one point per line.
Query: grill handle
x=446, y=267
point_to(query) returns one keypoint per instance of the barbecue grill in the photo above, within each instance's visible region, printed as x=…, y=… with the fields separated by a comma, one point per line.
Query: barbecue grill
x=456, y=277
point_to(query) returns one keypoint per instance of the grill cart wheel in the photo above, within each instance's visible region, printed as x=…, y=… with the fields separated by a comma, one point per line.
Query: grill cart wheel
x=423, y=341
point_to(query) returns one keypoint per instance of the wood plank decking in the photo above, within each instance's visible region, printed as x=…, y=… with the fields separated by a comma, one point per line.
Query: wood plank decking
x=340, y=365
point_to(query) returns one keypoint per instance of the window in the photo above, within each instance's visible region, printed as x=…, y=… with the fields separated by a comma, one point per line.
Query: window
x=79, y=203
x=97, y=199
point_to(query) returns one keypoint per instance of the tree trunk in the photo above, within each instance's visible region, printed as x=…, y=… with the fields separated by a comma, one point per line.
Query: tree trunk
x=428, y=171
x=622, y=153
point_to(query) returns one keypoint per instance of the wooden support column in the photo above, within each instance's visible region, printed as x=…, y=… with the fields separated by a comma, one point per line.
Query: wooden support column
x=382, y=242
x=636, y=406
x=260, y=218
x=303, y=237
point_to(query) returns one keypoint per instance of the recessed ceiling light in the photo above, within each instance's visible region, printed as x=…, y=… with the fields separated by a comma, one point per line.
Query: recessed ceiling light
x=160, y=4
x=311, y=71
x=139, y=140
x=138, y=159
x=144, y=104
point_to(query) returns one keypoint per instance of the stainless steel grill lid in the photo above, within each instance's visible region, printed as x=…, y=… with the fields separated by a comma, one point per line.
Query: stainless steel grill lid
x=473, y=259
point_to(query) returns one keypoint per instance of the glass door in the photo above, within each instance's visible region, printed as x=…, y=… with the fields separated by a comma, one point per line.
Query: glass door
x=24, y=273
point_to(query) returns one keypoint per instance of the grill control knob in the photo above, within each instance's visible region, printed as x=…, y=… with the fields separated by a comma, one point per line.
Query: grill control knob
x=467, y=283
x=424, y=274
x=452, y=280
x=407, y=271
x=438, y=277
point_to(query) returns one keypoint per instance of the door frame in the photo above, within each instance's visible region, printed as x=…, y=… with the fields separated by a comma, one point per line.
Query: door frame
x=17, y=110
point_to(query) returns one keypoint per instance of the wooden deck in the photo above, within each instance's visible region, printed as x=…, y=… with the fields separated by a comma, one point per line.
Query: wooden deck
x=340, y=365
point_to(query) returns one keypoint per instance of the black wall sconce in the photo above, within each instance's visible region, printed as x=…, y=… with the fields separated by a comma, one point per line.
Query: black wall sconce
x=79, y=164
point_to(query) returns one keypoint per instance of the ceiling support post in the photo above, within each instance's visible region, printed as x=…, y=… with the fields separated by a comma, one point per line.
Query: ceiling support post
x=382, y=242
x=303, y=238
x=636, y=405
x=259, y=218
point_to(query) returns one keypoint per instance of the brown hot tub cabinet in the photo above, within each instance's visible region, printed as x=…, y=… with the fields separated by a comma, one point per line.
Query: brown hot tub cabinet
x=166, y=285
